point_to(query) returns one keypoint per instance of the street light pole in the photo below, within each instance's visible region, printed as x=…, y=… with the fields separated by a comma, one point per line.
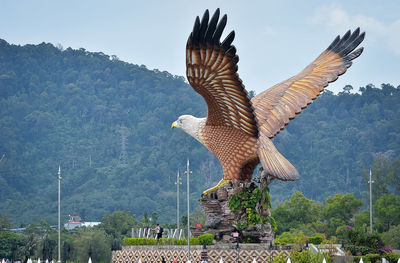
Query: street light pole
x=188, y=172
x=370, y=199
x=178, y=182
x=59, y=212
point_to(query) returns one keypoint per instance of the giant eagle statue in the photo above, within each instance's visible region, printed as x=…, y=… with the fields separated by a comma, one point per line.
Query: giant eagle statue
x=238, y=129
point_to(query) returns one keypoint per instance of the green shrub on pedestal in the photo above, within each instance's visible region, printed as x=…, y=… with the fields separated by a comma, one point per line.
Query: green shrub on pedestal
x=206, y=239
x=316, y=240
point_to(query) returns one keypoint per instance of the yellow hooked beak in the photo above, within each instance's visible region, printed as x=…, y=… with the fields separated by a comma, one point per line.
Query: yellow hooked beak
x=173, y=125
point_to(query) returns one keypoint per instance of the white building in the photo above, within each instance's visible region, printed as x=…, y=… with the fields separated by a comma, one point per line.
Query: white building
x=75, y=221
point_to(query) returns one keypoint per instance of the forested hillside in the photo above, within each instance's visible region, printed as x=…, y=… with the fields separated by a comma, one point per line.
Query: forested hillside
x=107, y=123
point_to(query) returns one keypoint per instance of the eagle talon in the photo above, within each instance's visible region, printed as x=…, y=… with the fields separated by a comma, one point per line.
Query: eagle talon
x=212, y=189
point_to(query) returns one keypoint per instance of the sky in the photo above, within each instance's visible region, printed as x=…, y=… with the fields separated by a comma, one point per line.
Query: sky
x=274, y=39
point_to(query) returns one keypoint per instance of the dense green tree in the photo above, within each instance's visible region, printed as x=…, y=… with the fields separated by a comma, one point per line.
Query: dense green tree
x=342, y=207
x=387, y=212
x=362, y=218
x=385, y=174
x=93, y=243
x=301, y=213
x=118, y=224
x=340, y=210
x=68, y=246
x=48, y=247
x=146, y=220
x=11, y=245
x=347, y=88
x=296, y=213
x=392, y=237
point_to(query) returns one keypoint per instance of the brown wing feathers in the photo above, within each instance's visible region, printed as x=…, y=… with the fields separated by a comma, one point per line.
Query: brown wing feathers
x=212, y=72
x=275, y=107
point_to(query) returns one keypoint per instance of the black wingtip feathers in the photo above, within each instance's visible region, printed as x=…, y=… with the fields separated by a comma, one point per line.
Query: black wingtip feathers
x=209, y=31
x=344, y=46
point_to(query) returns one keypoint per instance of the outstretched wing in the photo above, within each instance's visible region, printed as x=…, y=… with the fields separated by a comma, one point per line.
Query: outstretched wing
x=275, y=107
x=212, y=72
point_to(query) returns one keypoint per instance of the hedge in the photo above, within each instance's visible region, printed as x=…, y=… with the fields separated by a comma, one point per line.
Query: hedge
x=369, y=258
x=363, y=250
x=316, y=240
x=392, y=257
x=161, y=241
x=375, y=258
x=206, y=239
x=284, y=238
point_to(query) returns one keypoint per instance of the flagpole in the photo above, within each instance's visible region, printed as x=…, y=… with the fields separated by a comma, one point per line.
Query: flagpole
x=188, y=172
x=370, y=199
x=178, y=182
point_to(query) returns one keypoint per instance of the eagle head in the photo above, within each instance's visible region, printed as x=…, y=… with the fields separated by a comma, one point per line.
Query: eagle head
x=191, y=125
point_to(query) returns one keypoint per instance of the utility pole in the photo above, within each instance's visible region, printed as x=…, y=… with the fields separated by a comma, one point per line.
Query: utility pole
x=59, y=213
x=178, y=182
x=188, y=172
x=370, y=199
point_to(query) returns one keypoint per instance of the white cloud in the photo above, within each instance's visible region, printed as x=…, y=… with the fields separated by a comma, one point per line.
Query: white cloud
x=336, y=17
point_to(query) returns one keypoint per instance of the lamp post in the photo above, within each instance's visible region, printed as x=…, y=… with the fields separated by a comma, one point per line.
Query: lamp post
x=236, y=235
x=188, y=172
x=370, y=199
x=59, y=214
x=178, y=182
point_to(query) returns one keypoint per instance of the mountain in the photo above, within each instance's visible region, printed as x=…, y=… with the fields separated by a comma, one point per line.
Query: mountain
x=107, y=124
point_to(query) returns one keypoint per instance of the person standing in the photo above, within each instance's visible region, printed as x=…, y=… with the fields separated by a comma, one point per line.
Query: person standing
x=159, y=231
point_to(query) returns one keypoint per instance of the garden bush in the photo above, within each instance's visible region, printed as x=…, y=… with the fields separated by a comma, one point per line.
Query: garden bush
x=139, y=241
x=392, y=257
x=369, y=258
x=361, y=249
x=306, y=256
x=359, y=237
x=284, y=239
x=302, y=257
x=316, y=240
x=373, y=258
x=206, y=239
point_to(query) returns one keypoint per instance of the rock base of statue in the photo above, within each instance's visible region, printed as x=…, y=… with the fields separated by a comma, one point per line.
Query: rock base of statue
x=223, y=223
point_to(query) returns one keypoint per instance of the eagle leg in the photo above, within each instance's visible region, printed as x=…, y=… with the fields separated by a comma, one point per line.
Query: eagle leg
x=219, y=185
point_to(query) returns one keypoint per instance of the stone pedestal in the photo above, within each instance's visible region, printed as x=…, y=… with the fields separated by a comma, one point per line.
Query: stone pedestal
x=221, y=221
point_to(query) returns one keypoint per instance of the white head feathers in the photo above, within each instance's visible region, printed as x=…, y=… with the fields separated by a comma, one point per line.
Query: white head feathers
x=191, y=125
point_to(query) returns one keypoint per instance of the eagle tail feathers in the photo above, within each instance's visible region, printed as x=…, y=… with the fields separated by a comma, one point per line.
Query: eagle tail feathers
x=274, y=163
